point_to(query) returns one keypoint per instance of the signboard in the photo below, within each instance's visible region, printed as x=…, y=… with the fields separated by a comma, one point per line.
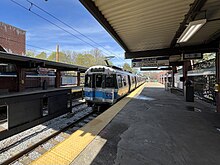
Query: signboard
x=149, y=62
x=191, y=56
x=175, y=58
x=144, y=62
x=163, y=62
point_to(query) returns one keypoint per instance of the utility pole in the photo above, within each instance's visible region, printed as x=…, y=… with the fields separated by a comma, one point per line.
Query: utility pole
x=57, y=54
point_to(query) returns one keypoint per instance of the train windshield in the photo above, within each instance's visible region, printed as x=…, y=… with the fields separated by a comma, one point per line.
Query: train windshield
x=110, y=81
x=88, y=81
x=98, y=80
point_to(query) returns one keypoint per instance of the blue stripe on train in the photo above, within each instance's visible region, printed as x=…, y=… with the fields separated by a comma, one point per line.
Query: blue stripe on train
x=100, y=94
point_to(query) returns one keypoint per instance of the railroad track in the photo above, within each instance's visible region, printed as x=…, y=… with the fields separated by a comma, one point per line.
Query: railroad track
x=80, y=115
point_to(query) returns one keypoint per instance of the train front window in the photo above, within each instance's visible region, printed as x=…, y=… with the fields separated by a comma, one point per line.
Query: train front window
x=98, y=80
x=110, y=81
x=88, y=81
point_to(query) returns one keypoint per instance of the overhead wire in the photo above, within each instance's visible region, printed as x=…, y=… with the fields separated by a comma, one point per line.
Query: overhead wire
x=77, y=31
x=29, y=9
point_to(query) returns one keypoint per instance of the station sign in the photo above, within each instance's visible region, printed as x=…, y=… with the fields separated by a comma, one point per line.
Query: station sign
x=163, y=62
x=191, y=56
x=175, y=58
x=144, y=62
x=149, y=62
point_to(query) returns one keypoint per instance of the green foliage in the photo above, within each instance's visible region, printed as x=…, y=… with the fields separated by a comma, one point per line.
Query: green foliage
x=85, y=60
x=127, y=67
x=42, y=55
x=206, y=57
x=52, y=56
x=62, y=57
x=135, y=71
x=30, y=53
x=89, y=58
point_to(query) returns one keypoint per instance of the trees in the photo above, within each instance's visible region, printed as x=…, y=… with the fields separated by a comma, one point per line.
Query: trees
x=42, y=55
x=62, y=57
x=127, y=67
x=30, y=53
x=88, y=58
x=85, y=60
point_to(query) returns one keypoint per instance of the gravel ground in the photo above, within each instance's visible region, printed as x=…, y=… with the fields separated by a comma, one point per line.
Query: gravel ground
x=31, y=136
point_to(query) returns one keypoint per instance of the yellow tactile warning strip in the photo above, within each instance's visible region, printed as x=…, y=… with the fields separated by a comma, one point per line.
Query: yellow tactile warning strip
x=65, y=152
x=76, y=90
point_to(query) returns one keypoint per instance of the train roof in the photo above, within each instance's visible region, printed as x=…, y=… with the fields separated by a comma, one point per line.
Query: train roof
x=100, y=68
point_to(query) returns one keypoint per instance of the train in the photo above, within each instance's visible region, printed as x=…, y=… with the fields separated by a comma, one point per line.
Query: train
x=105, y=85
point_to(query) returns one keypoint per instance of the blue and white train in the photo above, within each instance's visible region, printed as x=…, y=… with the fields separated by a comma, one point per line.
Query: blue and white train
x=105, y=85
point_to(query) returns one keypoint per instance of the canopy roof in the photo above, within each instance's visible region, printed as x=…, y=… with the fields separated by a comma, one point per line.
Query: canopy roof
x=146, y=28
x=29, y=62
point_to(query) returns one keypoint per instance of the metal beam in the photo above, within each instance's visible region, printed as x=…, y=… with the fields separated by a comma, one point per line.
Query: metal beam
x=190, y=16
x=91, y=7
x=177, y=63
x=152, y=53
x=166, y=52
x=151, y=69
x=29, y=62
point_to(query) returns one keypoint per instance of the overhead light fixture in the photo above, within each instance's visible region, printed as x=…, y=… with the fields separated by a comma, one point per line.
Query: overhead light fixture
x=191, y=29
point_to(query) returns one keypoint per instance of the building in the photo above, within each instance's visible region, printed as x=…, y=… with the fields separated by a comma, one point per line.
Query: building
x=12, y=39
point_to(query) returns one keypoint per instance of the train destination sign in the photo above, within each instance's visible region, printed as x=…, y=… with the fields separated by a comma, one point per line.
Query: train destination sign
x=146, y=62
x=191, y=56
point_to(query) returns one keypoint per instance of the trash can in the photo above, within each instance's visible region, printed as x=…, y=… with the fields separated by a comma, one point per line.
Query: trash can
x=189, y=91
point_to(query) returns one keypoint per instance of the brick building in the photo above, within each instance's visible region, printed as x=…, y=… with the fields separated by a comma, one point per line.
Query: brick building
x=12, y=39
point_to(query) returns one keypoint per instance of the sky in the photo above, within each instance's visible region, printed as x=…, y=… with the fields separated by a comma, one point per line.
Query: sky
x=45, y=36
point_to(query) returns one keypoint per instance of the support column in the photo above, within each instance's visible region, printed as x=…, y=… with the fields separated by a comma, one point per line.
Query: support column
x=186, y=65
x=173, y=74
x=58, y=79
x=20, y=79
x=189, y=89
x=78, y=78
x=217, y=65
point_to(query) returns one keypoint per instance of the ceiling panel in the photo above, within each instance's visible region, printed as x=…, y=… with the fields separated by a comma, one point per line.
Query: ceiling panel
x=144, y=24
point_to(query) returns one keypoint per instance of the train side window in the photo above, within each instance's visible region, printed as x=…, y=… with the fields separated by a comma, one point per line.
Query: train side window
x=124, y=81
x=119, y=78
x=109, y=81
x=88, y=81
x=132, y=80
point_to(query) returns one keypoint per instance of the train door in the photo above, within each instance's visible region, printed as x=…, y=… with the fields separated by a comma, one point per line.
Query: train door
x=99, y=82
x=89, y=87
x=135, y=79
x=129, y=83
x=120, y=85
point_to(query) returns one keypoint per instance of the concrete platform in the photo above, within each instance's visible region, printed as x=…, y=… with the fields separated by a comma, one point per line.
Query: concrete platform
x=157, y=127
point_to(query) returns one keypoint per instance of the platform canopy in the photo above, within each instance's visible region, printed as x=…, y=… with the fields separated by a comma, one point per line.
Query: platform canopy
x=151, y=28
x=29, y=62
